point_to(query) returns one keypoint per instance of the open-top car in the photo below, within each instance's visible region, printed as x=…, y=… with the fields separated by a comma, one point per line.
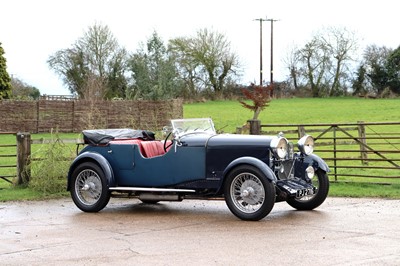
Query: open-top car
x=194, y=162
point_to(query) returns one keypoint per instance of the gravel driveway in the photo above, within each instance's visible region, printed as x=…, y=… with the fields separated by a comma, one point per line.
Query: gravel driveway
x=342, y=231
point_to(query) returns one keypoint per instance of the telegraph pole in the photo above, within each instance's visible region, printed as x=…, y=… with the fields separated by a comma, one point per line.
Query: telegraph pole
x=261, y=64
x=272, y=54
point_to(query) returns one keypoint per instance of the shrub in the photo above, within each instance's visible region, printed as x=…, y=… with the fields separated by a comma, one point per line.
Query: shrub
x=50, y=168
x=260, y=97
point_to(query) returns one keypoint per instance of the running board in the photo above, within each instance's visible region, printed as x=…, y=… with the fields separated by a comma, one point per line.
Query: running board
x=151, y=189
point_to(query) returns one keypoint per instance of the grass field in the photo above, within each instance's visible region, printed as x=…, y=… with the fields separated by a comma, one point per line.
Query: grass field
x=227, y=115
x=39, y=188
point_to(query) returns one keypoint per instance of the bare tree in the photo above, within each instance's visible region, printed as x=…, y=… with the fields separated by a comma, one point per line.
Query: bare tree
x=208, y=56
x=341, y=43
x=21, y=90
x=292, y=61
x=314, y=59
x=96, y=55
x=187, y=66
x=94, y=88
x=323, y=62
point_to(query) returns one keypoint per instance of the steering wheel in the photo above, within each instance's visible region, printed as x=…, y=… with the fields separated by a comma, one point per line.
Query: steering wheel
x=165, y=142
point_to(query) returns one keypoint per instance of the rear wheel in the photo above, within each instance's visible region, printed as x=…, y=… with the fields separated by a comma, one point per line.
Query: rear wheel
x=89, y=189
x=248, y=193
x=321, y=183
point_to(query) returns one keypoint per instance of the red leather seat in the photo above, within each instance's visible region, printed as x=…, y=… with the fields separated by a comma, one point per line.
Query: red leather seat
x=126, y=141
x=129, y=142
x=152, y=148
x=147, y=148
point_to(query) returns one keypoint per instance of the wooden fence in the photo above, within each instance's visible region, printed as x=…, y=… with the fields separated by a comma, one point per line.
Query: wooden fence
x=6, y=156
x=16, y=158
x=353, y=151
x=74, y=116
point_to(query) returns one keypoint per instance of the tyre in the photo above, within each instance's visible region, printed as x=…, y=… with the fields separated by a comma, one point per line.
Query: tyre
x=249, y=195
x=89, y=189
x=313, y=201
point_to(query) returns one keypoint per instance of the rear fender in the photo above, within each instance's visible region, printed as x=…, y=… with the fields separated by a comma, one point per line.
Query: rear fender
x=92, y=157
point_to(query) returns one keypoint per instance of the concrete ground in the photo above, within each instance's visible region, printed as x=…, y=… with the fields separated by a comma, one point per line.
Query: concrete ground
x=342, y=231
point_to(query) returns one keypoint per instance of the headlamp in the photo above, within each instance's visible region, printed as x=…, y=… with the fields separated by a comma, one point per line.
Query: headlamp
x=306, y=145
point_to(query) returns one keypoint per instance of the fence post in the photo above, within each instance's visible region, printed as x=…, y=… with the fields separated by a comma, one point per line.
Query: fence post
x=363, y=142
x=335, y=152
x=301, y=131
x=255, y=126
x=23, y=157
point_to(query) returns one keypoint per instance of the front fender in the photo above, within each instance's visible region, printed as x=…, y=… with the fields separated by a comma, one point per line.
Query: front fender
x=316, y=162
x=254, y=162
x=92, y=157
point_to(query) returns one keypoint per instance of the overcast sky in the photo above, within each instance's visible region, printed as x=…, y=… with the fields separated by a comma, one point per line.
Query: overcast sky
x=31, y=31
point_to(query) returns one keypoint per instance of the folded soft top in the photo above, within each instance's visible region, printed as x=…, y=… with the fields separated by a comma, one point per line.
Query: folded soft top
x=103, y=136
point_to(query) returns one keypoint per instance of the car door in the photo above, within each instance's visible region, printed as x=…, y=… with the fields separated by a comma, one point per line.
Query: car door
x=181, y=164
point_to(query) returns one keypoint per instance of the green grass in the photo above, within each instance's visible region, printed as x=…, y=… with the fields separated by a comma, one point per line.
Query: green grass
x=48, y=175
x=359, y=190
x=8, y=193
x=227, y=115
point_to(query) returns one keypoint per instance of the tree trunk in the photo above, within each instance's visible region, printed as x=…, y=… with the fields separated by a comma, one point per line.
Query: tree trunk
x=335, y=84
x=294, y=77
x=256, y=113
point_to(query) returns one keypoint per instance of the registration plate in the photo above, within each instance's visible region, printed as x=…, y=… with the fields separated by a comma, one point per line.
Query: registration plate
x=305, y=192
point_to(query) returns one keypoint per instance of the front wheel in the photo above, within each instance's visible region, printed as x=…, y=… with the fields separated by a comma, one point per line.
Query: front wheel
x=248, y=193
x=321, y=183
x=89, y=187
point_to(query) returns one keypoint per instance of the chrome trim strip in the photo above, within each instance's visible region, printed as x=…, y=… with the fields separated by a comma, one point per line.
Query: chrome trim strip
x=152, y=189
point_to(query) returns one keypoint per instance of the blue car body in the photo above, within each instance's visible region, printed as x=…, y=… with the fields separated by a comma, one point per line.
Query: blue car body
x=200, y=162
x=196, y=164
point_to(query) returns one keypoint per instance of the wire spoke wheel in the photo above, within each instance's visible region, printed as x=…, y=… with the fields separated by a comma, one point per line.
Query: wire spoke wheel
x=88, y=186
x=249, y=194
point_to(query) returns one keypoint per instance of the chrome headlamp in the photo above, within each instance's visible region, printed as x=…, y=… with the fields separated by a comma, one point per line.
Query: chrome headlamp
x=310, y=172
x=306, y=145
x=279, y=147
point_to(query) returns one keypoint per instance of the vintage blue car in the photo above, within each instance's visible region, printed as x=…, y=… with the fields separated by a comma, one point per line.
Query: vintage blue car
x=250, y=172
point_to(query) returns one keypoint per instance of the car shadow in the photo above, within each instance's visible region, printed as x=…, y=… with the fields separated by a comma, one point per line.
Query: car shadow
x=196, y=211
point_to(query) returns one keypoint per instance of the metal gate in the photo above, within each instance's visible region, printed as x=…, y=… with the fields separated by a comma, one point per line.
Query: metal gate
x=353, y=151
